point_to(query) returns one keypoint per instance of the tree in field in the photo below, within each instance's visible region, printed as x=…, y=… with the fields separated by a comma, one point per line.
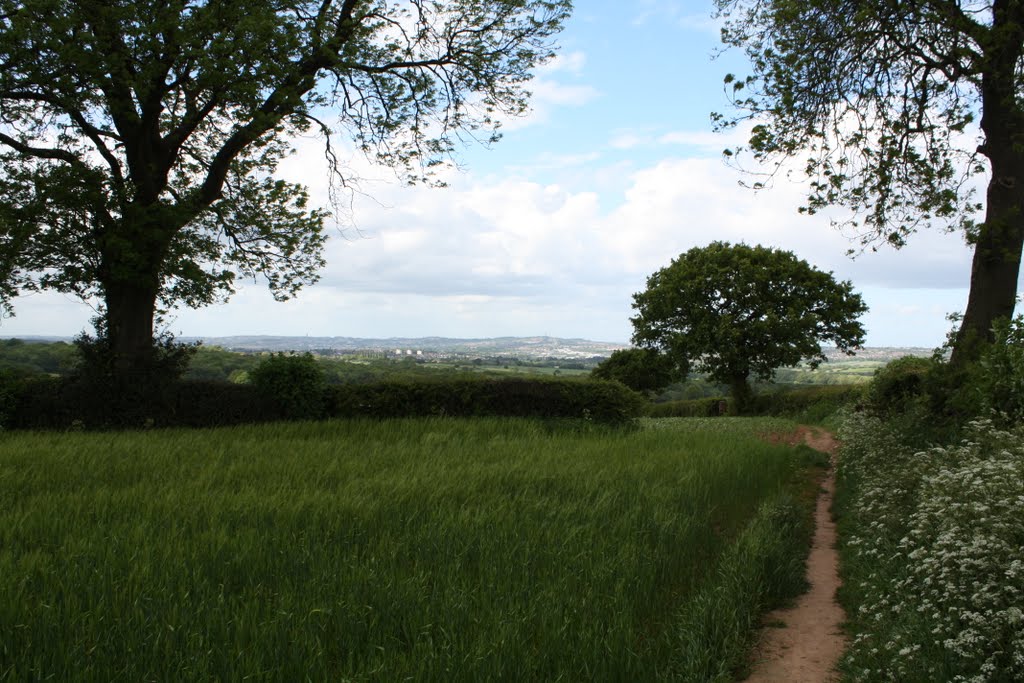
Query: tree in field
x=638, y=369
x=736, y=311
x=893, y=107
x=139, y=138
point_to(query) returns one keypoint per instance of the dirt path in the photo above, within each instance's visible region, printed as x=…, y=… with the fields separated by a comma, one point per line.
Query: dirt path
x=802, y=644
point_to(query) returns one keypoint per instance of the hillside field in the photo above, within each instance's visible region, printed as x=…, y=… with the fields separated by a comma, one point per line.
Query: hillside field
x=420, y=549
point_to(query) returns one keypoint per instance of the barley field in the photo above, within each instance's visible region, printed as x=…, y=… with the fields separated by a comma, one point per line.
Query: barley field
x=428, y=550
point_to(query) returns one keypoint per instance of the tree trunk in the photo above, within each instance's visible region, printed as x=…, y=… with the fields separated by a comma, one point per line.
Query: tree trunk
x=133, y=253
x=129, y=319
x=994, y=274
x=997, y=247
x=742, y=395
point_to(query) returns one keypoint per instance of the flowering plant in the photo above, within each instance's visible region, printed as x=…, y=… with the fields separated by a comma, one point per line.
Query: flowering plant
x=934, y=555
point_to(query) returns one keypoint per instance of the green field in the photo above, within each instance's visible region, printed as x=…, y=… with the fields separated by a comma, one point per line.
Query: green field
x=403, y=550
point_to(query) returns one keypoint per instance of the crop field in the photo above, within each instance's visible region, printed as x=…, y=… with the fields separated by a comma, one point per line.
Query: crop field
x=418, y=549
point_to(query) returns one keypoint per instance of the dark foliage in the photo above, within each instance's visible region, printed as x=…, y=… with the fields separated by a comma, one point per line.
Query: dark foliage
x=48, y=403
x=811, y=404
x=639, y=369
x=691, y=407
x=597, y=400
x=932, y=400
x=899, y=383
x=294, y=384
x=108, y=396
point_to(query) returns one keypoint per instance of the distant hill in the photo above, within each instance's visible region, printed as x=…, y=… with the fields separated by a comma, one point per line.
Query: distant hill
x=523, y=347
x=883, y=354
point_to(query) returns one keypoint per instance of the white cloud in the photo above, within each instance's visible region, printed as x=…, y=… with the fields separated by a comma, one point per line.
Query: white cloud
x=546, y=95
x=699, y=142
x=656, y=10
x=680, y=203
x=550, y=90
x=625, y=140
x=676, y=13
x=708, y=140
x=705, y=23
x=496, y=256
x=565, y=62
x=47, y=313
x=548, y=161
x=552, y=93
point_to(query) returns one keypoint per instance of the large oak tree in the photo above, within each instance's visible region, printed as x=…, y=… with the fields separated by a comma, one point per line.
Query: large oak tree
x=893, y=106
x=734, y=311
x=139, y=138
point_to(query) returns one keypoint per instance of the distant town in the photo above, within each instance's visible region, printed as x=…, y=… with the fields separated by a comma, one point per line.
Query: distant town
x=446, y=348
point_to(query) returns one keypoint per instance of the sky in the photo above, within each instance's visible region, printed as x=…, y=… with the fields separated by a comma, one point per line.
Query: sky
x=551, y=231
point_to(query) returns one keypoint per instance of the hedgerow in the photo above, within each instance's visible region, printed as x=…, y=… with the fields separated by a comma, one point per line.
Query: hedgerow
x=288, y=392
x=598, y=400
x=808, y=404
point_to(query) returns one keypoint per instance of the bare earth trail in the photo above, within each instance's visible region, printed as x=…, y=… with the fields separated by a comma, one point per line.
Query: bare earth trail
x=807, y=647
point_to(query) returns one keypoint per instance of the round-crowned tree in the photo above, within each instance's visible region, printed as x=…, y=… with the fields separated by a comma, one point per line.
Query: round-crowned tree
x=737, y=311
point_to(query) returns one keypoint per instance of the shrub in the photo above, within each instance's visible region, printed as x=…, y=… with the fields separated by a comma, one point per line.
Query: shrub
x=61, y=403
x=934, y=400
x=997, y=379
x=210, y=403
x=13, y=383
x=49, y=403
x=638, y=369
x=898, y=384
x=812, y=404
x=294, y=384
x=110, y=399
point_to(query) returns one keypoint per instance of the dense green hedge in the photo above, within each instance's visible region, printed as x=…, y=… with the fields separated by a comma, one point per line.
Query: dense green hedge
x=63, y=403
x=812, y=403
x=598, y=400
x=691, y=407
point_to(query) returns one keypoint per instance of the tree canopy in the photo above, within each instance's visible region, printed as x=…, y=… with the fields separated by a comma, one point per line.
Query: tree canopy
x=736, y=311
x=894, y=107
x=639, y=369
x=139, y=139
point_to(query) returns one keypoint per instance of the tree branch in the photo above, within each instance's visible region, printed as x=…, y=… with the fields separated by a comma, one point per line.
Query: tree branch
x=277, y=105
x=41, y=152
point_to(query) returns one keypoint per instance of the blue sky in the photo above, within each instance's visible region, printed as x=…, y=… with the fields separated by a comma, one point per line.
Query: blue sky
x=615, y=172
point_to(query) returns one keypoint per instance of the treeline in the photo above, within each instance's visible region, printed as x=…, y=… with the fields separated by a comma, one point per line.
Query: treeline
x=214, y=363
x=37, y=358
x=50, y=385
